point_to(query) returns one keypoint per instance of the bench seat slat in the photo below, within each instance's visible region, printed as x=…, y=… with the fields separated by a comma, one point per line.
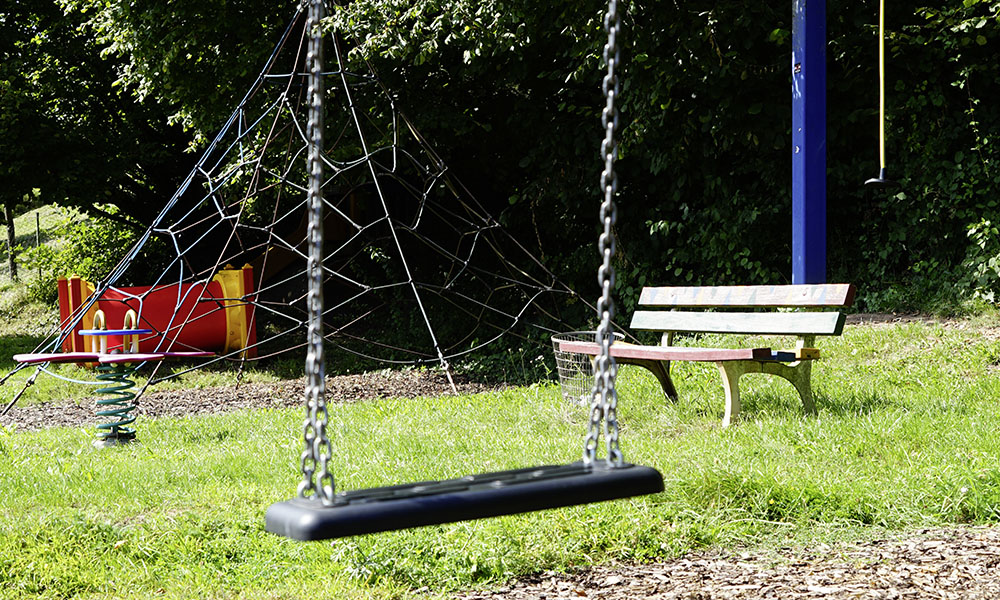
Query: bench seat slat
x=764, y=296
x=631, y=351
x=798, y=323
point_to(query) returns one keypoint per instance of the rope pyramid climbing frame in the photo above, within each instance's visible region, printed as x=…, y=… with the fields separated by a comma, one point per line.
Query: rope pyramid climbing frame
x=405, y=241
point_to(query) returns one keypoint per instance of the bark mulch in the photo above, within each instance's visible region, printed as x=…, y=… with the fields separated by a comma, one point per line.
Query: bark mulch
x=961, y=563
x=178, y=403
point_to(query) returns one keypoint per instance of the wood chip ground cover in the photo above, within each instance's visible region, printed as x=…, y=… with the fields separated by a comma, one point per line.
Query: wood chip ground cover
x=961, y=563
x=184, y=402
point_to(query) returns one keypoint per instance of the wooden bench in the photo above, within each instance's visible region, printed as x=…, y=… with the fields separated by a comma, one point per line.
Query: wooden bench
x=715, y=316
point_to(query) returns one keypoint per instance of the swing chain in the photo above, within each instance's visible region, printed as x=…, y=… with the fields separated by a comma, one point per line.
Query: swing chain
x=604, y=398
x=316, y=476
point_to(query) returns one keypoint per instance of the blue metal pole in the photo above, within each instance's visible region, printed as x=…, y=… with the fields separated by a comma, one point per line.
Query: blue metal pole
x=808, y=141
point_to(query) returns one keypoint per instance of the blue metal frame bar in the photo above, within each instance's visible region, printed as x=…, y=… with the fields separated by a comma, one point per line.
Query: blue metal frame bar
x=808, y=141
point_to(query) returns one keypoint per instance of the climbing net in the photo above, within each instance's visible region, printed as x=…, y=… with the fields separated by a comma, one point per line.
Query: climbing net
x=414, y=269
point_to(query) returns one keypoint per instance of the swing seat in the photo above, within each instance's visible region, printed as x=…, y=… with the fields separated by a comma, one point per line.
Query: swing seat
x=480, y=496
x=881, y=182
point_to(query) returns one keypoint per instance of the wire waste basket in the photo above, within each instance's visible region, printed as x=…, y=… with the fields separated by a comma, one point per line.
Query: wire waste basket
x=576, y=371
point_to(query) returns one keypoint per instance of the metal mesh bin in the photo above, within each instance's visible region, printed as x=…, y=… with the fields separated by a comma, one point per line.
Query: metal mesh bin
x=576, y=371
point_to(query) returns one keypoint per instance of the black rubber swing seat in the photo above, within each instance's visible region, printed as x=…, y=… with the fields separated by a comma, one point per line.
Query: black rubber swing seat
x=480, y=496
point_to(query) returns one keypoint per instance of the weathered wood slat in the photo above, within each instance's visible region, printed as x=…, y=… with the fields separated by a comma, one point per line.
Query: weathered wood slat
x=627, y=351
x=798, y=323
x=829, y=295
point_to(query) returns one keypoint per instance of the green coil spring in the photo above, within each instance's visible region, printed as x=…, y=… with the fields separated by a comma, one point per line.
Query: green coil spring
x=118, y=404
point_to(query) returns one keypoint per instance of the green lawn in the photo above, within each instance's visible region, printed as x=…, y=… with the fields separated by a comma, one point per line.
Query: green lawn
x=41, y=225
x=906, y=438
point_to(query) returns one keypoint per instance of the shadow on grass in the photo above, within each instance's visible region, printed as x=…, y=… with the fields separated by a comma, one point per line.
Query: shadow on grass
x=766, y=403
x=776, y=404
x=16, y=344
x=291, y=365
x=852, y=404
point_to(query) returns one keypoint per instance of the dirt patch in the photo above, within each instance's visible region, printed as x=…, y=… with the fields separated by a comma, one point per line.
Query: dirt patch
x=890, y=318
x=955, y=563
x=177, y=403
x=985, y=330
x=342, y=388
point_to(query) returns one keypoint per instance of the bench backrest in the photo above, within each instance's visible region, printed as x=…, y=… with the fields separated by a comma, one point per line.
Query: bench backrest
x=838, y=295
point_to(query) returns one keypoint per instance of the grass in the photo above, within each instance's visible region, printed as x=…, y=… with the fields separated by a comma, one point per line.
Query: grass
x=25, y=322
x=41, y=225
x=906, y=438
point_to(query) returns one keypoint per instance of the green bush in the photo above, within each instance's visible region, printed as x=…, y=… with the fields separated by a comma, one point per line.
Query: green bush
x=89, y=249
x=705, y=169
x=509, y=94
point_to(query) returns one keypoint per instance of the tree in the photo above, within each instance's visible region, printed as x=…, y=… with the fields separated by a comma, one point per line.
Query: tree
x=509, y=92
x=194, y=56
x=67, y=130
x=706, y=113
x=28, y=126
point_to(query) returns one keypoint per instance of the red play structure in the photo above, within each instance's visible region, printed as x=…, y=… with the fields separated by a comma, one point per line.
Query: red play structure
x=215, y=317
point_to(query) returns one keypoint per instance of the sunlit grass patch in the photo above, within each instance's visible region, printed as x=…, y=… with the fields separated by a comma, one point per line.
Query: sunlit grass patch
x=905, y=438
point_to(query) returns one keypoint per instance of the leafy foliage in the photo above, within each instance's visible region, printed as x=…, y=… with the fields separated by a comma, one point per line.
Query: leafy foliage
x=705, y=166
x=502, y=90
x=913, y=245
x=192, y=55
x=90, y=249
x=511, y=92
x=66, y=131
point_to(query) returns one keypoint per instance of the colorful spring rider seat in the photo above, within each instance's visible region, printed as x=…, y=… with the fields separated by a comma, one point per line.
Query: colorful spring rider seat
x=114, y=369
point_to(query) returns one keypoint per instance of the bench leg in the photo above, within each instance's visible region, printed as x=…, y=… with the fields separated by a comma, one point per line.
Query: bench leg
x=799, y=375
x=731, y=371
x=660, y=369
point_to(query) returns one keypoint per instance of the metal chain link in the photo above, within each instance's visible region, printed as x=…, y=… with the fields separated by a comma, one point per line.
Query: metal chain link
x=316, y=476
x=604, y=398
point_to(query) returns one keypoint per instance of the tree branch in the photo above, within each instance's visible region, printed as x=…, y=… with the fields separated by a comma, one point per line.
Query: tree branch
x=117, y=218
